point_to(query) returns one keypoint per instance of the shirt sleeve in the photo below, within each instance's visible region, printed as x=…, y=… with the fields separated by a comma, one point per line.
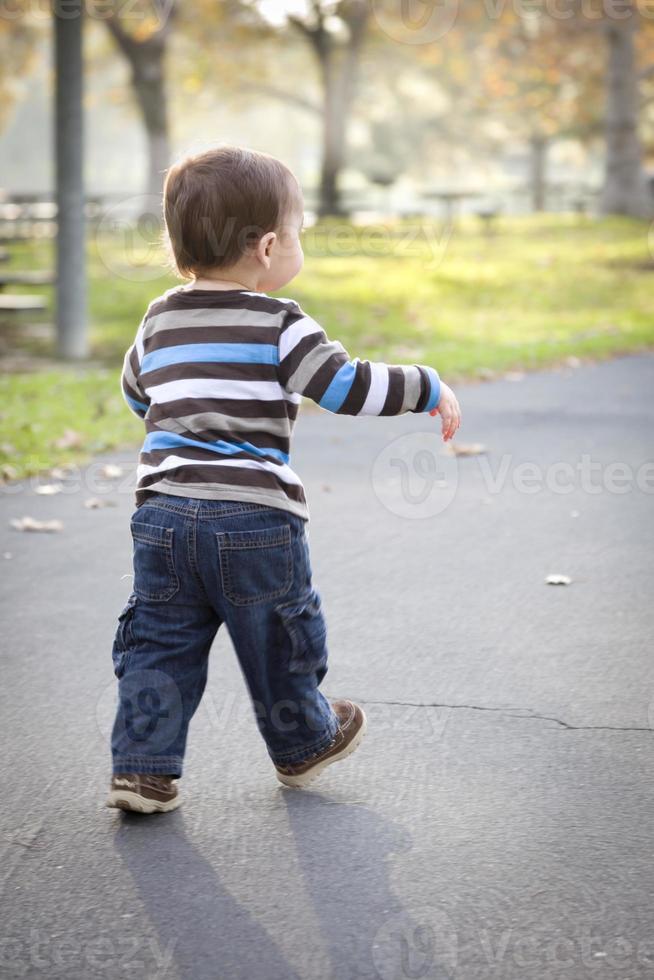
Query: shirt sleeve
x=321, y=369
x=133, y=393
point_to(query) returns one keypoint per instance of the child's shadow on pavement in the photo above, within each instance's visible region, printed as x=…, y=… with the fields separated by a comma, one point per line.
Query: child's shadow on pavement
x=342, y=872
x=343, y=852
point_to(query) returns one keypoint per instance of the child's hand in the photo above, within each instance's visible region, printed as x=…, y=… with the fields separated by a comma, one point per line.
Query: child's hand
x=450, y=413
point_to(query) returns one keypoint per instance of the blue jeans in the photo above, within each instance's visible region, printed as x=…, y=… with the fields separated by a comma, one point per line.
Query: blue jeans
x=197, y=564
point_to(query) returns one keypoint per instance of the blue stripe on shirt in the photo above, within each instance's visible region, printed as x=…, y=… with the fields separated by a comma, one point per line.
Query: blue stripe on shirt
x=139, y=407
x=170, y=440
x=339, y=387
x=201, y=353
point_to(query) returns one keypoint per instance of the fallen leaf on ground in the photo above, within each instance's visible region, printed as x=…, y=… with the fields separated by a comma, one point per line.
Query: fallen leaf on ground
x=464, y=448
x=95, y=503
x=111, y=471
x=558, y=580
x=61, y=472
x=48, y=489
x=70, y=440
x=31, y=524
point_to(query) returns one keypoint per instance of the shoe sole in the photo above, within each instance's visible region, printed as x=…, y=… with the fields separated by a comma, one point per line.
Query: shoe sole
x=299, y=782
x=125, y=800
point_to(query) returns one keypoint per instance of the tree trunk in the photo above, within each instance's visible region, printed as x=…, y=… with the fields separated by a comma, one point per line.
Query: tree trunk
x=334, y=124
x=625, y=186
x=146, y=59
x=339, y=67
x=148, y=79
x=538, y=181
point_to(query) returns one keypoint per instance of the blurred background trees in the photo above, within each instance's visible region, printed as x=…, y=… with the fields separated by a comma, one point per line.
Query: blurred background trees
x=366, y=97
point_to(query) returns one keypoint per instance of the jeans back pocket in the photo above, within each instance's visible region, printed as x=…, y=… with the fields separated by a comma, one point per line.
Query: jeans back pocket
x=155, y=577
x=255, y=566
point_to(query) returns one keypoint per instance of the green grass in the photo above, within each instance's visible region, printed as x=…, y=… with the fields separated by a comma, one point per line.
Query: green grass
x=529, y=294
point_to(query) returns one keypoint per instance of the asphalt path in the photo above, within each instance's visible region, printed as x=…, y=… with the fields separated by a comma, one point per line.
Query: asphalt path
x=497, y=820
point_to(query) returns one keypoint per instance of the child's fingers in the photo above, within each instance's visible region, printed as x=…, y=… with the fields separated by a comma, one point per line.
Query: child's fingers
x=450, y=417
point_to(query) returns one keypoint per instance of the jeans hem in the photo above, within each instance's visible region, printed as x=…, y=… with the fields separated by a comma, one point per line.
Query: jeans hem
x=299, y=755
x=149, y=765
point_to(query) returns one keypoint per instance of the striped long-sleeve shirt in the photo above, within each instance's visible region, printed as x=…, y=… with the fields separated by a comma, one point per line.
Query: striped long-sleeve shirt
x=218, y=377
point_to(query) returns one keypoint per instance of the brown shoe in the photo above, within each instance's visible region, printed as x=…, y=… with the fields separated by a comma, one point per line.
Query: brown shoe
x=143, y=793
x=351, y=730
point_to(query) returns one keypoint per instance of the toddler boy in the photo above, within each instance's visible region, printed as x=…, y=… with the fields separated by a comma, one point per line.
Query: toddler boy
x=217, y=372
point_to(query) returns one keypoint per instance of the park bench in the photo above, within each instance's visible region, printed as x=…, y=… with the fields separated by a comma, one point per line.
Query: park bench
x=10, y=303
x=19, y=304
x=25, y=279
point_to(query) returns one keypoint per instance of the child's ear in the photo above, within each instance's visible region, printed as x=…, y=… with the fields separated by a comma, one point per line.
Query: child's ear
x=265, y=247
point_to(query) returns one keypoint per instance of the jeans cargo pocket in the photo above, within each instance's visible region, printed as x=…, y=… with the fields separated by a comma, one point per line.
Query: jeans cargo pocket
x=124, y=638
x=255, y=566
x=155, y=577
x=305, y=625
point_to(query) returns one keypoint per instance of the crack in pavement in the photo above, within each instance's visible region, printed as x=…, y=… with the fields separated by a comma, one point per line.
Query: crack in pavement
x=530, y=716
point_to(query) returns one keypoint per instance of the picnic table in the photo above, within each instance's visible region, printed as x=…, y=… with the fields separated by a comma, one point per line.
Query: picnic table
x=21, y=303
x=40, y=278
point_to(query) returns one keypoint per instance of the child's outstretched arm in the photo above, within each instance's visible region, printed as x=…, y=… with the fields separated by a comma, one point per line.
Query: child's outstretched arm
x=321, y=369
x=133, y=393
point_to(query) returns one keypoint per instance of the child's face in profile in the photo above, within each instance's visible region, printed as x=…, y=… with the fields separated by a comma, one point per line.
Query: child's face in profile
x=285, y=252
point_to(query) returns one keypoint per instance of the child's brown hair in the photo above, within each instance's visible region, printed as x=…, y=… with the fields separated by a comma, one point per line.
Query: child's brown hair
x=220, y=202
